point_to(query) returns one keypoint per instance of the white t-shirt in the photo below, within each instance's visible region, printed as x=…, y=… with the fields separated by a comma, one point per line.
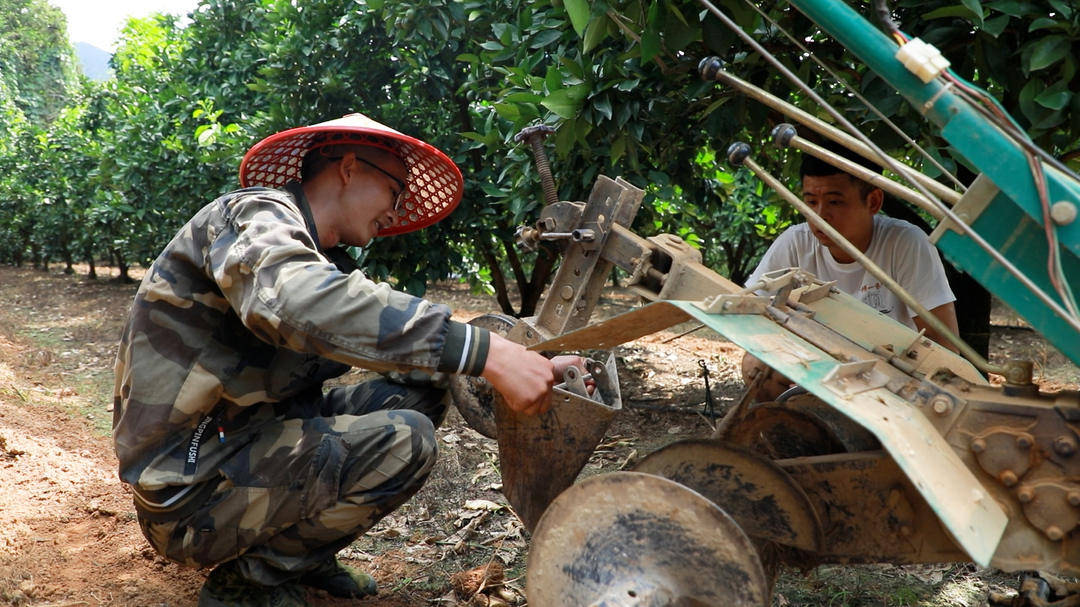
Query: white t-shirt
x=898, y=247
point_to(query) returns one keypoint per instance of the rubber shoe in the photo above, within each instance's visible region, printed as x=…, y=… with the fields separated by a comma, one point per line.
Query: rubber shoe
x=340, y=581
x=226, y=587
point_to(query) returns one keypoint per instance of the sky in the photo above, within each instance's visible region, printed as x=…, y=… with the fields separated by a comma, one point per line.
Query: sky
x=98, y=22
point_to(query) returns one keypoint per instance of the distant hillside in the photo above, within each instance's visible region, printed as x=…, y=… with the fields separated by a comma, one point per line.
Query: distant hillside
x=94, y=61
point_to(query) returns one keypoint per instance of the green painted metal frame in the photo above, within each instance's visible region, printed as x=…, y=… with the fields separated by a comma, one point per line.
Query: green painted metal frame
x=958, y=498
x=1013, y=220
x=965, y=508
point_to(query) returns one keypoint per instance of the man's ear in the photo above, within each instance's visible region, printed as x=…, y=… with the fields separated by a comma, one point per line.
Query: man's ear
x=347, y=168
x=874, y=200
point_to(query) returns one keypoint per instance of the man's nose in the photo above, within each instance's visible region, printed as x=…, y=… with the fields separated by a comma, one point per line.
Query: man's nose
x=391, y=216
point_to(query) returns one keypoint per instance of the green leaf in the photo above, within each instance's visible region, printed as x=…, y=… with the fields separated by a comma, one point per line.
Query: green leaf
x=1048, y=51
x=566, y=103
x=1056, y=96
x=597, y=30
x=603, y=105
x=491, y=45
x=579, y=14
x=995, y=25
x=976, y=9
x=956, y=10
x=1043, y=23
x=1014, y=8
x=650, y=40
x=545, y=38
x=1063, y=8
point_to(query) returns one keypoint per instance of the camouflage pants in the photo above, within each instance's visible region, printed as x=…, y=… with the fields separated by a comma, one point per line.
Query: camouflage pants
x=310, y=482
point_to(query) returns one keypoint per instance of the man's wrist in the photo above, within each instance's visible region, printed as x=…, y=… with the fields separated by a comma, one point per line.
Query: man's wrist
x=466, y=349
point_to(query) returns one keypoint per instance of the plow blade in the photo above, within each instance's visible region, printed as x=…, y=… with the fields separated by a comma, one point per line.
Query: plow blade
x=631, y=539
x=541, y=455
x=761, y=497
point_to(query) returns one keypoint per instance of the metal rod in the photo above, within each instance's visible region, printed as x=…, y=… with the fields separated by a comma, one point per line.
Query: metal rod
x=831, y=132
x=785, y=135
x=739, y=154
x=941, y=104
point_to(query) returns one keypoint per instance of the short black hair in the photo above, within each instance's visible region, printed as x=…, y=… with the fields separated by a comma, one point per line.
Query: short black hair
x=815, y=167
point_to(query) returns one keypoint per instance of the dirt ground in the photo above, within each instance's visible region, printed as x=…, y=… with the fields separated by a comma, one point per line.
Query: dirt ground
x=68, y=534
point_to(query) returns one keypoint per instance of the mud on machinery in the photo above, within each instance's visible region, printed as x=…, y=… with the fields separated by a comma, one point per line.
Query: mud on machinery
x=900, y=452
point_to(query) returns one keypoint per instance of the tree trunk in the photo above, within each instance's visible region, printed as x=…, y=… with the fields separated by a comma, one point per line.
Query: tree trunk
x=121, y=265
x=89, y=257
x=69, y=262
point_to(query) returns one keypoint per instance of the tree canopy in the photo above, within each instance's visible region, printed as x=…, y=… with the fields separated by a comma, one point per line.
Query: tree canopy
x=111, y=170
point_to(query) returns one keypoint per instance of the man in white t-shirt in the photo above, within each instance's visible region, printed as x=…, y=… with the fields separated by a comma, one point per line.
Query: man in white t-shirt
x=851, y=206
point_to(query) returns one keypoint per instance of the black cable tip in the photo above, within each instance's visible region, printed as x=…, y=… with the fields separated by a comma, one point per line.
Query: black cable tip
x=738, y=152
x=782, y=134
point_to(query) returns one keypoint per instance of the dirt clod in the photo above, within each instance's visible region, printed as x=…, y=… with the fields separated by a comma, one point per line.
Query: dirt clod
x=468, y=583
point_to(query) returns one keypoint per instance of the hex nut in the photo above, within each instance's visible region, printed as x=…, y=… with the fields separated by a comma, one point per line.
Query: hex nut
x=1064, y=446
x=1074, y=498
x=1025, y=495
x=1023, y=441
x=1008, y=478
x=1063, y=212
x=1054, y=532
x=941, y=404
x=978, y=445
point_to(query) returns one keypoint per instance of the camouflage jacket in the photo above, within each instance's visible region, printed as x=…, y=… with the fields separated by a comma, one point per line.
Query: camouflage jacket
x=242, y=311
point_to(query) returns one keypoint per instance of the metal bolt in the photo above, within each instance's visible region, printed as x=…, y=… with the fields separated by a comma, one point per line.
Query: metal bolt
x=534, y=136
x=1063, y=212
x=1023, y=441
x=1074, y=498
x=941, y=404
x=1008, y=478
x=978, y=445
x=1054, y=532
x=709, y=67
x=567, y=292
x=1064, y=446
x=737, y=153
x=1025, y=495
x=782, y=134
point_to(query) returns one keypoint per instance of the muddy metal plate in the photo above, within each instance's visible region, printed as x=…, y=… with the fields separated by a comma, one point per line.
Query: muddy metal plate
x=868, y=328
x=757, y=493
x=630, y=539
x=956, y=496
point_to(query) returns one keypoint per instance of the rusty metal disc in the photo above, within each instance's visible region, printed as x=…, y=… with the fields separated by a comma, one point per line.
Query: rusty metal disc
x=762, y=498
x=474, y=396
x=804, y=425
x=631, y=539
x=845, y=431
x=779, y=432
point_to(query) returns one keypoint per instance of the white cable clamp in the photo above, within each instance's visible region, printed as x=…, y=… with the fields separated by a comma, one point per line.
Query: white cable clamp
x=922, y=59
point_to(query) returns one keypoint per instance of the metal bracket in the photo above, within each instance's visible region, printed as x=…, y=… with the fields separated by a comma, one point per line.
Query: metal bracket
x=813, y=292
x=604, y=375
x=734, y=304
x=849, y=379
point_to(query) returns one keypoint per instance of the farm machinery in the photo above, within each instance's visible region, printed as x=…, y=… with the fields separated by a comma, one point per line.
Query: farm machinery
x=898, y=450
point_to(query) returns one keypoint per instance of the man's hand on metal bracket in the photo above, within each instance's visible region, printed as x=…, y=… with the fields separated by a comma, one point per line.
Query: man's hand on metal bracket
x=523, y=377
x=564, y=362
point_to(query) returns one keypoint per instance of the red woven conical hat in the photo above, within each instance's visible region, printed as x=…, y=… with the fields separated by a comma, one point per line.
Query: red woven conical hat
x=434, y=182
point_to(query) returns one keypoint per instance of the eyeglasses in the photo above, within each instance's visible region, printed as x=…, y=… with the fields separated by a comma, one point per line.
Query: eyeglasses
x=399, y=196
